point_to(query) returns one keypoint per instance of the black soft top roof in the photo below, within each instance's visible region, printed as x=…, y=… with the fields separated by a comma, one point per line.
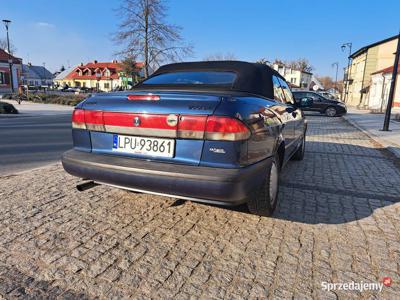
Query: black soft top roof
x=251, y=78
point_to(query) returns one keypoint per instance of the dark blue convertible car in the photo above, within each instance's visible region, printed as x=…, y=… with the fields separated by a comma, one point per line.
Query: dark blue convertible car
x=214, y=132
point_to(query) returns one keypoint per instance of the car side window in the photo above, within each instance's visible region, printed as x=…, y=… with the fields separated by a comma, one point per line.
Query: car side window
x=315, y=97
x=299, y=95
x=278, y=92
x=286, y=91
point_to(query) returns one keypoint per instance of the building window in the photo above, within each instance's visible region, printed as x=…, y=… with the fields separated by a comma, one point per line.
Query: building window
x=2, y=78
x=293, y=80
x=106, y=85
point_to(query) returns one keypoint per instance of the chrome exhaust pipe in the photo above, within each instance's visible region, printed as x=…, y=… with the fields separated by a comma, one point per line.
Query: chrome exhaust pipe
x=86, y=185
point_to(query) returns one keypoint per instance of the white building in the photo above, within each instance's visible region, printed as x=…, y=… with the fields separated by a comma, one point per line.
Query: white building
x=296, y=78
x=379, y=90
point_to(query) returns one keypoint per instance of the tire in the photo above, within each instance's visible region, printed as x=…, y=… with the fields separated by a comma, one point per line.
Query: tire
x=331, y=111
x=263, y=201
x=299, y=154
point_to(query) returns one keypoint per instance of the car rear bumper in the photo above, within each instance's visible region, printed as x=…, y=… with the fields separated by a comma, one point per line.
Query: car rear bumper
x=203, y=184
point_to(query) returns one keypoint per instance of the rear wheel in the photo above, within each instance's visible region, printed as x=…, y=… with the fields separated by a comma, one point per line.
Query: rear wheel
x=263, y=201
x=331, y=111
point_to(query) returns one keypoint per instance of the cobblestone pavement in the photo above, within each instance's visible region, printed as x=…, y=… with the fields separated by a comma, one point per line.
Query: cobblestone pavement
x=338, y=221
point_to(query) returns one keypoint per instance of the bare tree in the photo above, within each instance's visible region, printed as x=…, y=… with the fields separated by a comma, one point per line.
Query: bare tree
x=130, y=69
x=328, y=83
x=304, y=65
x=263, y=61
x=300, y=64
x=278, y=61
x=144, y=34
x=3, y=45
x=220, y=56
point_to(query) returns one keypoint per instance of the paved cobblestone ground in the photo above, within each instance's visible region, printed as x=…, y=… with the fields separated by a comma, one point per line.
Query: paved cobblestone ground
x=338, y=221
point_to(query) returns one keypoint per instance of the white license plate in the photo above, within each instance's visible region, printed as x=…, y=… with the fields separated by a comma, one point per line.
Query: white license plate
x=143, y=145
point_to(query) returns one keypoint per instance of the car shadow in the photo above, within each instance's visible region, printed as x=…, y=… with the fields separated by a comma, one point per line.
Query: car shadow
x=343, y=178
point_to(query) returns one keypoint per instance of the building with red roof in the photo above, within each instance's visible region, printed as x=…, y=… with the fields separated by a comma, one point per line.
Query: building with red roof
x=104, y=76
x=5, y=78
x=379, y=89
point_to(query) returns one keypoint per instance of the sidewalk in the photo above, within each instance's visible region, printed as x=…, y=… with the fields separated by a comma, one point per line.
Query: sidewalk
x=371, y=124
x=27, y=109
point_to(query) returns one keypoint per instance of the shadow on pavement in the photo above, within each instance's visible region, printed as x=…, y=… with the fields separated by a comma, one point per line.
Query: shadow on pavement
x=344, y=177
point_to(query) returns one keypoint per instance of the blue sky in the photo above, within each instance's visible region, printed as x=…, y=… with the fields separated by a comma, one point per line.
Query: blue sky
x=69, y=32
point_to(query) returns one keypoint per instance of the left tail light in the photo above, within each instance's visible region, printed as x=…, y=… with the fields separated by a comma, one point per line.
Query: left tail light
x=78, y=119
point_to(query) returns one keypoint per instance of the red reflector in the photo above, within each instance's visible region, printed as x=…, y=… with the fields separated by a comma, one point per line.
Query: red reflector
x=148, y=97
x=225, y=128
x=78, y=116
x=143, y=120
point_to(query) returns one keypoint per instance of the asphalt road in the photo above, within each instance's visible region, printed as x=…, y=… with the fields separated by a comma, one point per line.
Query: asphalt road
x=28, y=142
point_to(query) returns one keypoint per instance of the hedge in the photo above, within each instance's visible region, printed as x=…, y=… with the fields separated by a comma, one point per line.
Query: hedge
x=7, y=108
x=71, y=100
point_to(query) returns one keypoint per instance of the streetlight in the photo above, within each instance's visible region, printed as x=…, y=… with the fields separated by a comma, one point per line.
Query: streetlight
x=344, y=46
x=10, y=61
x=337, y=68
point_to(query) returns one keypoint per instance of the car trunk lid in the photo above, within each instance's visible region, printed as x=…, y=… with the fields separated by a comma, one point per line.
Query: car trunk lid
x=179, y=118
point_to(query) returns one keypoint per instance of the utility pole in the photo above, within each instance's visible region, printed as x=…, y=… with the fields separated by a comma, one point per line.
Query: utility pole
x=392, y=87
x=6, y=23
x=346, y=89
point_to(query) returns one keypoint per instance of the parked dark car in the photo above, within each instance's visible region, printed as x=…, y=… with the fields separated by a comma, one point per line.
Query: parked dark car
x=329, y=107
x=214, y=132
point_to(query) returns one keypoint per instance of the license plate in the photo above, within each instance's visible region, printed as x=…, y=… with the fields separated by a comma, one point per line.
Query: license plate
x=143, y=145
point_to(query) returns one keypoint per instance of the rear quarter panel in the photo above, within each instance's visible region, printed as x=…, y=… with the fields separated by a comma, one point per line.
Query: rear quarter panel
x=257, y=114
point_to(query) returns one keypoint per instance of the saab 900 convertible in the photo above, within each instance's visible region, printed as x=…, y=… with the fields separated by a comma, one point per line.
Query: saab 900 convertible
x=215, y=132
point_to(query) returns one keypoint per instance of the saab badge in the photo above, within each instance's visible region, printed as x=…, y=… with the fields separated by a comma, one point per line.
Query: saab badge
x=136, y=121
x=172, y=120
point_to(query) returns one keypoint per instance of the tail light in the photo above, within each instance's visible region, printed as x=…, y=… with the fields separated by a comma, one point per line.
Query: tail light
x=191, y=127
x=215, y=128
x=78, y=119
x=94, y=120
x=212, y=128
x=226, y=129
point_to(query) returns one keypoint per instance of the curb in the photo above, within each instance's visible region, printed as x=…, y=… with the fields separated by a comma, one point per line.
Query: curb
x=393, y=148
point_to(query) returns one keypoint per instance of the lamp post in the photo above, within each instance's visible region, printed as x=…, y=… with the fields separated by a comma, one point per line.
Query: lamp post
x=346, y=90
x=337, y=68
x=6, y=24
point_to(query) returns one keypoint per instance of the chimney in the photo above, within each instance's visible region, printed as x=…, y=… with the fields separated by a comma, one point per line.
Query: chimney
x=95, y=61
x=81, y=64
x=115, y=61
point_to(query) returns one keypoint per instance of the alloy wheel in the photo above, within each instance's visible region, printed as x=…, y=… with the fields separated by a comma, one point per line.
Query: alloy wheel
x=273, y=183
x=331, y=112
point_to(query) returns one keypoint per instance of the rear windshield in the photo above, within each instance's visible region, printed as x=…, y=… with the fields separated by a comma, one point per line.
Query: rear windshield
x=193, y=78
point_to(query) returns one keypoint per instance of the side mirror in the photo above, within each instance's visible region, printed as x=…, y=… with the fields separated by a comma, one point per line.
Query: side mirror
x=305, y=102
